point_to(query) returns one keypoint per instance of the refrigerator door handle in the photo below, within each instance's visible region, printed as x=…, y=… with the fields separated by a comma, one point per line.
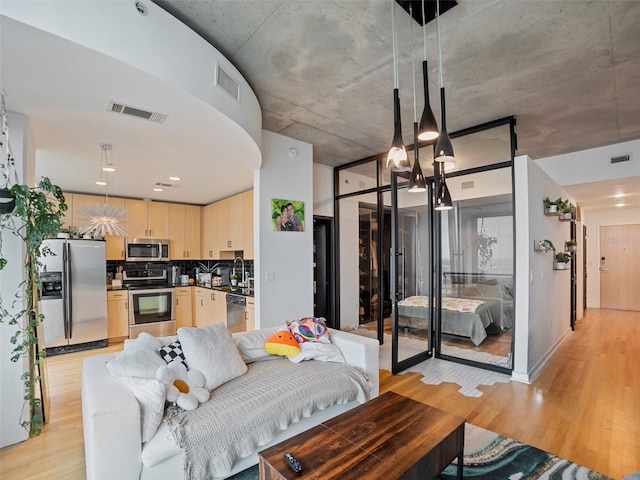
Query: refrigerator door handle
x=66, y=259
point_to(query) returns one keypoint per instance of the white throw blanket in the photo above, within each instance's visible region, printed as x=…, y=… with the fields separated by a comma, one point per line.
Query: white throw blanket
x=247, y=412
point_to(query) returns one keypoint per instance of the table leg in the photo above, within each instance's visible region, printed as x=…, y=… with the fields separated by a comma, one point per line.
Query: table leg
x=460, y=463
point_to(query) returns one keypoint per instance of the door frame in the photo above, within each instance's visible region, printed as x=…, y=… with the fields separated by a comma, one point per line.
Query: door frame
x=329, y=267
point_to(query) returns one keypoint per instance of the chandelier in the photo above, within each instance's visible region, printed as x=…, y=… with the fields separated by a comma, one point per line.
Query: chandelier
x=104, y=219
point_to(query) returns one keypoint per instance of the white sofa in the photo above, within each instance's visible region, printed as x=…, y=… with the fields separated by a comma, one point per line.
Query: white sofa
x=111, y=417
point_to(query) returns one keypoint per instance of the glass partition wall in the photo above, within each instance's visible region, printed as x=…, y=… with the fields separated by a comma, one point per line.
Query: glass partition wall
x=425, y=282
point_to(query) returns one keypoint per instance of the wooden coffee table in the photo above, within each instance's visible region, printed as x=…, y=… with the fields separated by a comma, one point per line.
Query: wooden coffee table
x=389, y=437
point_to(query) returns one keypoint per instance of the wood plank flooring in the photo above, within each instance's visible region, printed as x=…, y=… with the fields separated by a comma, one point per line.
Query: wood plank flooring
x=584, y=406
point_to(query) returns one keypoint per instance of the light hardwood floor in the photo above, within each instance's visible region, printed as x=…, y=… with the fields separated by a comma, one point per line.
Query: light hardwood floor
x=584, y=406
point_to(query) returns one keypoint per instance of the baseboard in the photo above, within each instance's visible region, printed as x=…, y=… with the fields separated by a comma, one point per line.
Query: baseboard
x=543, y=361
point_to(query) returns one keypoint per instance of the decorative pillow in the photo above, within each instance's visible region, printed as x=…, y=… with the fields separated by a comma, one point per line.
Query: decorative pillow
x=282, y=343
x=150, y=394
x=251, y=345
x=309, y=329
x=172, y=353
x=182, y=387
x=324, y=352
x=135, y=363
x=211, y=350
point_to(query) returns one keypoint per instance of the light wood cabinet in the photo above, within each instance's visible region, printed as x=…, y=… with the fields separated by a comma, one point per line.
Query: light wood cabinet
x=80, y=202
x=227, y=227
x=147, y=219
x=118, y=314
x=247, y=229
x=183, y=307
x=210, y=307
x=184, y=231
x=250, y=314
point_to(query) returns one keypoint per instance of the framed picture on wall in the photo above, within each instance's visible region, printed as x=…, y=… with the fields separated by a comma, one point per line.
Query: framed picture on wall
x=287, y=215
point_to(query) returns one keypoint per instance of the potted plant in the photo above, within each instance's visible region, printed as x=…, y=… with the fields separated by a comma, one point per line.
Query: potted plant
x=547, y=245
x=562, y=261
x=550, y=207
x=570, y=246
x=206, y=273
x=565, y=210
x=234, y=278
x=37, y=215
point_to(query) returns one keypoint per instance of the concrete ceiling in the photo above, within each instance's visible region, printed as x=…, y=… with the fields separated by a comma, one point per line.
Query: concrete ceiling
x=322, y=70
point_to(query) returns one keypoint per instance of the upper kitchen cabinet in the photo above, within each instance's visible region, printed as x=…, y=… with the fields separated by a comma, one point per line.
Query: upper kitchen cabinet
x=184, y=231
x=78, y=202
x=247, y=198
x=225, y=228
x=147, y=219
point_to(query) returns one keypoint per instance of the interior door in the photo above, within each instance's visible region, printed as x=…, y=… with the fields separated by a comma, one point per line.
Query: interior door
x=619, y=260
x=410, y=275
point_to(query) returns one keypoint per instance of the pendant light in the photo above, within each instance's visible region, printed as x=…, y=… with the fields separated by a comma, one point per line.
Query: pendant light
x=443, y=197
x=444, y=149
x=104, y=219
x=428, y=126
x=417, y=182
x=397, y=157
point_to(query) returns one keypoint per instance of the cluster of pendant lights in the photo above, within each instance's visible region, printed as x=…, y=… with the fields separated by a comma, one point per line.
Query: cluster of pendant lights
x=427, y=130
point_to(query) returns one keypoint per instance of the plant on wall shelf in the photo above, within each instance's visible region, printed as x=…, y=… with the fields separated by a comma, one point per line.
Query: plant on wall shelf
x=37, y=215
x=562, y=259
x=570, y=245
x=550, y=206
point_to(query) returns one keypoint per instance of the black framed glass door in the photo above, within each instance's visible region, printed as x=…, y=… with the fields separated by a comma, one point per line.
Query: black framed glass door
x=411, y=291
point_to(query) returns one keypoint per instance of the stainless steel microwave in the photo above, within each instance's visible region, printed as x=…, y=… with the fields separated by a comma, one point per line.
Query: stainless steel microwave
x=146, y=250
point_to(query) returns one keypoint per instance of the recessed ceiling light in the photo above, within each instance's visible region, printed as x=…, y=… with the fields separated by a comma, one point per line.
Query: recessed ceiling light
x=108, y=169
x=175, y=179
x=620, y=204
x=101, y=183
x=157, y=190
x=619, y=195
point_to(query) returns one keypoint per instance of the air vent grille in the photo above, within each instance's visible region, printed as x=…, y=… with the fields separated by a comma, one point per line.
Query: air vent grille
x=228, y=84
x=121, y=108
x=166, y=185
x=468, y=185
x=621, y=158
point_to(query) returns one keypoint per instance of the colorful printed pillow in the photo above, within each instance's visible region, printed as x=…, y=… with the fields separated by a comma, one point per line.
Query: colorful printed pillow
x=282, y=343
x=309, y=329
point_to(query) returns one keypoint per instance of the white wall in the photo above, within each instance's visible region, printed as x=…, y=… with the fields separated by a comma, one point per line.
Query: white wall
x=11, y=389
x=160, y=41
x=284, y=260
x=543, y=311
x=322, y=190
x=593, y=221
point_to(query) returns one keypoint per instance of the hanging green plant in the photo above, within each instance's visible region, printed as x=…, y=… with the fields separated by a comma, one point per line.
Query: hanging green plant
x=37, y=215
x=485, y=251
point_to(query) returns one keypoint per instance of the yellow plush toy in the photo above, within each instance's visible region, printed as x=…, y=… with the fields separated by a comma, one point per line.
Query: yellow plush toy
x=282, y=343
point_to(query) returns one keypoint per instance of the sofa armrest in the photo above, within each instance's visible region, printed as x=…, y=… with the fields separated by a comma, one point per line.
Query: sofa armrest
x=360, y=352
x=111, y=424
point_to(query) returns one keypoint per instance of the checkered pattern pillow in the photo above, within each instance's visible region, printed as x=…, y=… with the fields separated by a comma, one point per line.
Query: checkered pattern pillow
x=172, y=353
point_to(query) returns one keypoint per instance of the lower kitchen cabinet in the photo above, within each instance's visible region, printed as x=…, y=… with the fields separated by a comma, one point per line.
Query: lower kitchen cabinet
x=250, y=314
x=210, y=307
x=118, y=314
x=183, y=307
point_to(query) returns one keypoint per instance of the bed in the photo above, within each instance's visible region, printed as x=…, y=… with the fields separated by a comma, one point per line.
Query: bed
x=460, y=316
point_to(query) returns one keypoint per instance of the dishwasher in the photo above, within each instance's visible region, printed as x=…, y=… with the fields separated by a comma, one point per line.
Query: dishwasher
x=236, y=313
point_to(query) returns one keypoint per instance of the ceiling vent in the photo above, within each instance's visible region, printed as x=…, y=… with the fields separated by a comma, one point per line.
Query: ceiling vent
x=123, y=109
x=165, y=185
x=468, y=185
x=621, y=158
x=228, y=84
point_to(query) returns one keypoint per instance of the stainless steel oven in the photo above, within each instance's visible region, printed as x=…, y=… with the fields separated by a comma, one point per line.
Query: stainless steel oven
x=146, y=250
x=151, y=311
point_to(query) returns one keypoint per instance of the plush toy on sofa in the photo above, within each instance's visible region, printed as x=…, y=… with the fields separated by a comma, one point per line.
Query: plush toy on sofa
x=184, y=388
x=282, y=343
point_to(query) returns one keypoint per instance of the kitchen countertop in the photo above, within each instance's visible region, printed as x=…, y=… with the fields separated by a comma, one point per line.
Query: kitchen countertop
x=245, y=292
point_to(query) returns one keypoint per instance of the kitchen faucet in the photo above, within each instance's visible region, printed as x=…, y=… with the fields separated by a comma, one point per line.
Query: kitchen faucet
x=241, y=282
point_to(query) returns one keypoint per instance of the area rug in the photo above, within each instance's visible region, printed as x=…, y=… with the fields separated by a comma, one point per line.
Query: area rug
x=490, y=456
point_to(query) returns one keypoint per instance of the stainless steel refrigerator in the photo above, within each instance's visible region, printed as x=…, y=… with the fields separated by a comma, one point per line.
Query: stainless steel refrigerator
x=73, y=295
